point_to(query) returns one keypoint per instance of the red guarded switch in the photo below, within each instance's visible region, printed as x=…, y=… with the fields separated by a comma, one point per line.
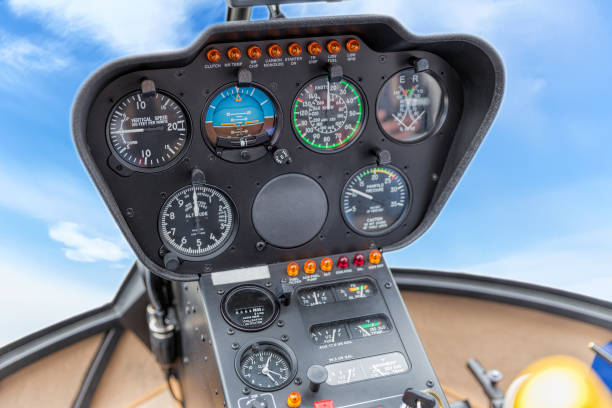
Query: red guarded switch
x=324, y=404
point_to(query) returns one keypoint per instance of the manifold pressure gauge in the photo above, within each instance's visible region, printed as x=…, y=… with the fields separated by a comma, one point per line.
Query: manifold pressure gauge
x=197, y=222
x=375, y=200
x=147, y=133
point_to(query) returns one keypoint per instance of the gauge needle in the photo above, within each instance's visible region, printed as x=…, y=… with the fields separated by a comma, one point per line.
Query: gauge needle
x=364, y=331
x=334, y=336
x=328, y=101
x=196, y=208
x=418, y=117
x=128, y=131
x=400, y=121
x=361, y=193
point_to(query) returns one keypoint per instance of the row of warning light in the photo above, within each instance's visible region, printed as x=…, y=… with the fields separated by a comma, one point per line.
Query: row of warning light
x=276, y=51
x=327, y=263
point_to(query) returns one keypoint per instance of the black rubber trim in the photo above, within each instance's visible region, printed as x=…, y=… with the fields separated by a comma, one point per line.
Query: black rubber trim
x=586, y=309
x=126, y=310
x=97, y=367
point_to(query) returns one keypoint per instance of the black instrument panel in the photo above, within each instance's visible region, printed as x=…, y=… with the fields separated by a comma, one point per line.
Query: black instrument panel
x=252, y=126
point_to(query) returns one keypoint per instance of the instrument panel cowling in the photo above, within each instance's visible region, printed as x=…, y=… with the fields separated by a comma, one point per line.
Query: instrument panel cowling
x=471, y=71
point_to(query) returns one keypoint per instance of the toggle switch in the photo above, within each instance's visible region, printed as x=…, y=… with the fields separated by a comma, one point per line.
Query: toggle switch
x=317, y=375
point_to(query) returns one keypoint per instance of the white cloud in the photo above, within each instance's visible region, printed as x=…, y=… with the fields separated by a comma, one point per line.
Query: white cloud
x=82, y=248
x=133, y=26
x=68, y=208
x=21, y=53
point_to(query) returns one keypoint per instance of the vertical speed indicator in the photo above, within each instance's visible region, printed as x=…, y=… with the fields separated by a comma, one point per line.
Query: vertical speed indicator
x=375, y=200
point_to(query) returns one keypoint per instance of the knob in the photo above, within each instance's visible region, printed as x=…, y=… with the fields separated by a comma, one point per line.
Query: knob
x=281, y=156
x=171, y=261
x=317, y=375
x=415, y=399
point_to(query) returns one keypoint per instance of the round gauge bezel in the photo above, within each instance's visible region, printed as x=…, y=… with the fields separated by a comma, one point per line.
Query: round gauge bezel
x=279, y=347
x=273, y=299
x=399, y=221
x=441, y=120
x=364, y=117
x=174, y=160
x=215, y=253
x=278, y=122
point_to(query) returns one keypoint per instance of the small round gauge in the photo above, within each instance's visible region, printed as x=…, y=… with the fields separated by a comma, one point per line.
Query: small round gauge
x=250, y=308
x=147, y=133
x=239, y=117
x=197, y=222
x=411, y=105
x=328, y=116
x=369, y=326
x=316, y=296
x=328, y=333
x=375, y=200
x=266, y=365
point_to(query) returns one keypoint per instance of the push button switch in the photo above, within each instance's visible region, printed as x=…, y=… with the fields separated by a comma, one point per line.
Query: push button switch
x=324, y=404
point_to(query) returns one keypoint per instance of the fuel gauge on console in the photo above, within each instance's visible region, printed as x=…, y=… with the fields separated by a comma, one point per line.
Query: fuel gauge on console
x=316, y=296
x=329, y=333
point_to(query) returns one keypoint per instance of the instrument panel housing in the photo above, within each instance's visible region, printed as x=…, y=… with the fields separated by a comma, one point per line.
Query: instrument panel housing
x=471, y=72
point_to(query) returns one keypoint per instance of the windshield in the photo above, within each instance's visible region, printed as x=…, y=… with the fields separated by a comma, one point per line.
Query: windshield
x=533, y=206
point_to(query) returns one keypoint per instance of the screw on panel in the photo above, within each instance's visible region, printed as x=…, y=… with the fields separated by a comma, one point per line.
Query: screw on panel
x=429, y=383
x=298, y=381
x=129, y=212
x=388, y=285
x=285, y=338
x=235, y=346
x=268, y=284
x=230, y=331
x=208, y=268
x=220, y=292
x=260, y=246
x=382, y=59
x=246, y=391
x=435, y=177
x=280, y=323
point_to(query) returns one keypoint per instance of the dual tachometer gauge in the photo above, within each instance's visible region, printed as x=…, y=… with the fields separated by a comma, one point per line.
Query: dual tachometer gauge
x=149, y=134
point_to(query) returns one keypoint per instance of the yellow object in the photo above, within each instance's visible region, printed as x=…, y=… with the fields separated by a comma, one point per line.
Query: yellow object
x=327, y=264
x=310, y=266
x=293, y=269
x=558, y=382
x=294, y=400
x=375, y=257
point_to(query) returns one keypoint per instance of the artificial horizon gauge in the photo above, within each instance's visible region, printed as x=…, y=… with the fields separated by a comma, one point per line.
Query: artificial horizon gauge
x=266, y=365
x=411, y=105
x=240, y=117
x=197, y=222
x=375, y=200
x=328, y=116
x=147, y=133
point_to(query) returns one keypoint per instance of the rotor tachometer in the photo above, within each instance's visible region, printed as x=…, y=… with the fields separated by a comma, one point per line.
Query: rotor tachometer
x=328, y=116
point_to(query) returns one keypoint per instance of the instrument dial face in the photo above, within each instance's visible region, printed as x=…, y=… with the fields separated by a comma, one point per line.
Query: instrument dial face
x=250, y=308
x=411, y=105
x=375, y=200
x=316, y=296
x=239, y=117
x=197, y=222
x=369, y=326
x=329, y=334
x=328, y=116
x=354, y=290
x=266, y=366
x=147, y=133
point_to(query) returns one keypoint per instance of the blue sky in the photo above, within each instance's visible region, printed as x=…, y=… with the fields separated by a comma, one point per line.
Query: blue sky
x=535, y=204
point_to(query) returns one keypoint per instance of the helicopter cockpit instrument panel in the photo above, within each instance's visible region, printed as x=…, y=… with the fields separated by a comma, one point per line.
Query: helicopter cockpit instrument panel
x=269, y=163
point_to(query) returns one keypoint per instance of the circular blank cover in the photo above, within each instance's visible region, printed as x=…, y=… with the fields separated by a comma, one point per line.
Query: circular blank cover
x=289, y=210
